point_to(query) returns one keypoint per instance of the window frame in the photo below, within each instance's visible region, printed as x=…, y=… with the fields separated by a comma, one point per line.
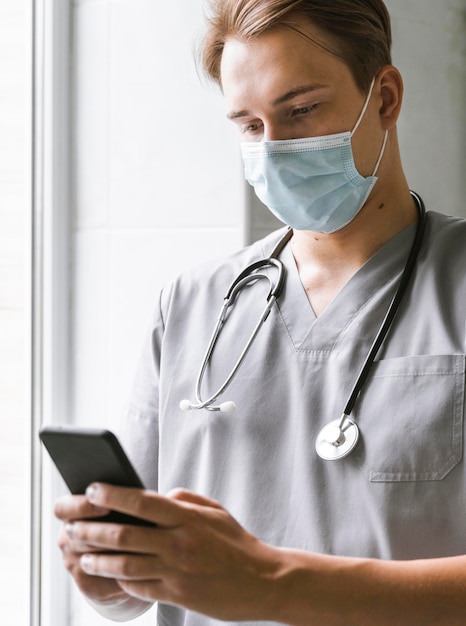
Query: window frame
x=49, y=300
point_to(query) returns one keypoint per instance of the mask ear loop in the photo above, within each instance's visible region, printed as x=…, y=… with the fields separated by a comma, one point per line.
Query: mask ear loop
x=356, y=126
x=385, y=137
x=364, y=108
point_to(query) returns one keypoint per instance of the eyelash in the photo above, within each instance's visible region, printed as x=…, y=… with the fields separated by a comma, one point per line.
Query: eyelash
x=303, y=110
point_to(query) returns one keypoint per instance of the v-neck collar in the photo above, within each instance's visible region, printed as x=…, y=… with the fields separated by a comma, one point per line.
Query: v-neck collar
x=311, y=333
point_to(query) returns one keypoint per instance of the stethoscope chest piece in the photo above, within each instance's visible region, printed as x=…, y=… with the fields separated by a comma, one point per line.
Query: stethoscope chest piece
x=337, y=440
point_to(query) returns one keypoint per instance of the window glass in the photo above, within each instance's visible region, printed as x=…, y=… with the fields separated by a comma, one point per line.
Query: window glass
x=14, y=315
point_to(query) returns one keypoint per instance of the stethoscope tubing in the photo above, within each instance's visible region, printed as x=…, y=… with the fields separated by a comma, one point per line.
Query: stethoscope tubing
x=338, y=438
x=205, y=404
x=248, y=275
x=392, y=309
x=343, y=432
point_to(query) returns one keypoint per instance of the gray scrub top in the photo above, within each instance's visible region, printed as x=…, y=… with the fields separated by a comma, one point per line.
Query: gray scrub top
x=401, y=493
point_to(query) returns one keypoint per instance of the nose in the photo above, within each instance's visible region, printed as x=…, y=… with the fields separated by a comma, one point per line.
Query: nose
x=274, y=132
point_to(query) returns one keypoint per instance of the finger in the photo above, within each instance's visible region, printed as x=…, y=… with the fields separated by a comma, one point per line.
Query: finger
x=90, y=585
x=77, y=507
x=147, y=505
x=134, y=567
x=182, y=495
x=70, y=547
x=117, y=537
x=101, y=589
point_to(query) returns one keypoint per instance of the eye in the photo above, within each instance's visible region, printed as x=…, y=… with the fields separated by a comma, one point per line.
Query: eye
x=251, y=127
x=303, y=110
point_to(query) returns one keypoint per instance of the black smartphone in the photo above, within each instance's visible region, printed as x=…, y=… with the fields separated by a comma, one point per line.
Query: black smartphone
x=87, y=455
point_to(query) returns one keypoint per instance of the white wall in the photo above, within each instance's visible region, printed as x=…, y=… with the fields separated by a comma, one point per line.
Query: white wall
x=429, y=48
x=157, y=182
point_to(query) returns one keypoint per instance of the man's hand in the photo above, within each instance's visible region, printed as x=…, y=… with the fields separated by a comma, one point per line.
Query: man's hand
x=197, y=556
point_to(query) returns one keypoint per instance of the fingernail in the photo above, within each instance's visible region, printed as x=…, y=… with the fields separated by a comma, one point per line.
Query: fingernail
x=69, y=529
x=87, y=562
x=91, y=493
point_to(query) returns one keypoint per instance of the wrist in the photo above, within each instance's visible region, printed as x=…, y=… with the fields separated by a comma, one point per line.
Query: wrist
x=312, y=588
x=292, y=600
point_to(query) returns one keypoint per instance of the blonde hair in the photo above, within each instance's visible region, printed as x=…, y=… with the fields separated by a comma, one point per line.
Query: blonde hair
x=359, y=29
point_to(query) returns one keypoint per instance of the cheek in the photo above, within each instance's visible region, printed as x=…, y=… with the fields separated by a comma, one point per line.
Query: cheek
x=366, y=152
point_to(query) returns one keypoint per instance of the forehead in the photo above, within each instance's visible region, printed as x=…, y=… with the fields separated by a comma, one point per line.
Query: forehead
x=278, y=60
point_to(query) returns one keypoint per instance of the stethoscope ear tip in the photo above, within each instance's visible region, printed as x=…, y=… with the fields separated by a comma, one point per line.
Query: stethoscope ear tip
x=185, y=405
x=228, y=407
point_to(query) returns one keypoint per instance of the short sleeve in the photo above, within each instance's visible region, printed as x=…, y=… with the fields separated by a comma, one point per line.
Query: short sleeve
x=139, y=426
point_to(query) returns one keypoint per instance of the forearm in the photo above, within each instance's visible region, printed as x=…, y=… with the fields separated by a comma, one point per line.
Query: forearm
x=315, y=589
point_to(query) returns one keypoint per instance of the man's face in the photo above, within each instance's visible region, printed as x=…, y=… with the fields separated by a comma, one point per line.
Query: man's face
x=282, y=86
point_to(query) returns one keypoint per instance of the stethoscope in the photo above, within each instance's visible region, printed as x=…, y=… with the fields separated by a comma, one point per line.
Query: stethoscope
x=338, y=438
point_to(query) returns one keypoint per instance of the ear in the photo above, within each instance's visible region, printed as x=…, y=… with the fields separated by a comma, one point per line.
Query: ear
x=390, y=86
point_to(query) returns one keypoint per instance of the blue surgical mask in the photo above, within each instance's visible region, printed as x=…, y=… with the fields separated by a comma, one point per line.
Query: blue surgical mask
x=311, y=183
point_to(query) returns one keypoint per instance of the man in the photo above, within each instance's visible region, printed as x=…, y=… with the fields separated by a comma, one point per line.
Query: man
x=374, y=537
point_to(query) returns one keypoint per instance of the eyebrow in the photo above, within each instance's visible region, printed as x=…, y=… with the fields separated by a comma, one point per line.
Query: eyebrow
x=298, y=91
x=286, y=97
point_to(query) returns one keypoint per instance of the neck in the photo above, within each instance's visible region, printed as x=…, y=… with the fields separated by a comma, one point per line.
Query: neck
x=379, y=220
x=326, y=262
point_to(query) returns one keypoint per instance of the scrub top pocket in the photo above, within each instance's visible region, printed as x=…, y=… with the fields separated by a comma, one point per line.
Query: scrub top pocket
x=410, y=415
